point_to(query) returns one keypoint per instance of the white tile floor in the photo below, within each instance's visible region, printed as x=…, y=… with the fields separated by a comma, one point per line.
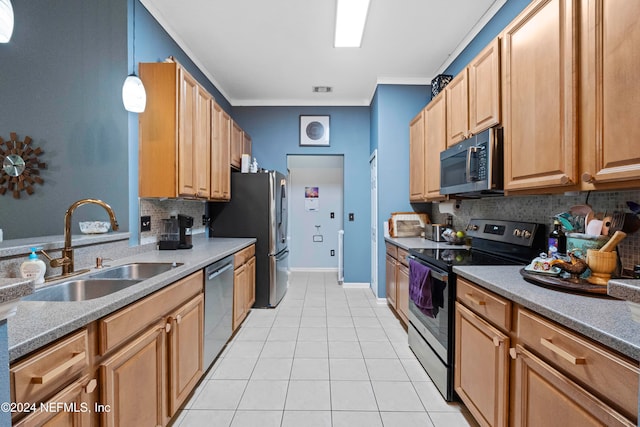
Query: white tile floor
x=326, y=356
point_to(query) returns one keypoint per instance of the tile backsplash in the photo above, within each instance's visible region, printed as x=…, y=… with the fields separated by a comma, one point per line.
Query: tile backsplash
x=541, y=209
x=159, y=209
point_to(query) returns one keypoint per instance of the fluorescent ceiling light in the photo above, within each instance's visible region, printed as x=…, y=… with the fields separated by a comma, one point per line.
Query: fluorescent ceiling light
x=351, y=16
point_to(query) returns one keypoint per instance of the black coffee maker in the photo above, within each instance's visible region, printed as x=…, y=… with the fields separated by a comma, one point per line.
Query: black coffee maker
x=185, y=223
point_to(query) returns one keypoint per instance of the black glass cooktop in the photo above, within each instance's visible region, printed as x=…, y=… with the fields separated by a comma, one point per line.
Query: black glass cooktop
x=449, y=257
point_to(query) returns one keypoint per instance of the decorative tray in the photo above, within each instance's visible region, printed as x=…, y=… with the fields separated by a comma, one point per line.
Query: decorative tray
x=558, y=283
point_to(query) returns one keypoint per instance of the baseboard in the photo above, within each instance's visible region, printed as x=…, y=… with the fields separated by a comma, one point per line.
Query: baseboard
x=313, y=270
x=356, y=285
x=381, y=301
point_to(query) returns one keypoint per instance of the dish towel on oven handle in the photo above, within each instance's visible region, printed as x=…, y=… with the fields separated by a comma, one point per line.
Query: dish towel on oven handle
x=421, y=287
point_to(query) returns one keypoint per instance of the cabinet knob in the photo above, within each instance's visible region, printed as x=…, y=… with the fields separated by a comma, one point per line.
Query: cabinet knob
x=167, y=326
x=565, y=180
x=178, y=318
x=91, y=385
x=513, y=353
x=587, y=177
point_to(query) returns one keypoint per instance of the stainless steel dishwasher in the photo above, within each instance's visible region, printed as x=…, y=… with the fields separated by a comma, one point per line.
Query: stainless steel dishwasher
x=218, y=308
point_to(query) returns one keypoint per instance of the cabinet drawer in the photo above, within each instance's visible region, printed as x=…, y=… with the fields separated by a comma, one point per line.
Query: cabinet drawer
x=402, y=257
x=490, y=306
x=392, y=250
x=244, y=255
x=608, y=375
x=50, y=369
x=126, y=323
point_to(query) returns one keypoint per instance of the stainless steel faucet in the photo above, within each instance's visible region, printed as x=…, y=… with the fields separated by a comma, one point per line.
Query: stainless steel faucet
x=66, y=260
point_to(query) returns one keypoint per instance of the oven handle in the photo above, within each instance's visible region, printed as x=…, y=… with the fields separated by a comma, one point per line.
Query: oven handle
x=436, y=274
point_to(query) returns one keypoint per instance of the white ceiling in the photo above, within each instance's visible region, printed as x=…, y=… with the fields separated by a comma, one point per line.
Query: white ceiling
x=272, y=52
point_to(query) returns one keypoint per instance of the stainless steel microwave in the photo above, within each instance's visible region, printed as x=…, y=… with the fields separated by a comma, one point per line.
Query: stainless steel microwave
x=473, y=167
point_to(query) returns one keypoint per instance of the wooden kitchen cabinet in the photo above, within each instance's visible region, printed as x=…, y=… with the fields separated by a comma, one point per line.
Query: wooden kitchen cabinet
x=185, y=351
x=390, y=271
x=244, y=284
x=174, y=134
x=610, y=157
x=153, y=350
x=435, y=141
x=416, y=158
x=481, y=377
x=237, y=144
x=473, y=96
x=247, y=145
x=402, y=286
x=220, y=154
x=539, y=59
x=134, y=381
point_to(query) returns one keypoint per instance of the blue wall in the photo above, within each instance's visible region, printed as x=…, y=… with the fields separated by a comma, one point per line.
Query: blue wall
x=392, y=108
x=5, y=394
x=275, y=134
x=62, y=75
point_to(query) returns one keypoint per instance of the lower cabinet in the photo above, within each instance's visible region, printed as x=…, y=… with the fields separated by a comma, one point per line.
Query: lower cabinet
x=536, y=372
x=390, y=273
x=402, y=291
x=244, y=284
x=397, y=280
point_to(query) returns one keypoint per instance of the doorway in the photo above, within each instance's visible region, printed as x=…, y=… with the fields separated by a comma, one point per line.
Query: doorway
x=316, y=210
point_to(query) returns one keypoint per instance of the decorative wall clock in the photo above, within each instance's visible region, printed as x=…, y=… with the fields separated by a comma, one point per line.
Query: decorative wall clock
x=20, y=167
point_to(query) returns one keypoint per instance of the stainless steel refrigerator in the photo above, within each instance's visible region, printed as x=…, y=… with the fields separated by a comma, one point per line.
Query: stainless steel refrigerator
x=258, y=208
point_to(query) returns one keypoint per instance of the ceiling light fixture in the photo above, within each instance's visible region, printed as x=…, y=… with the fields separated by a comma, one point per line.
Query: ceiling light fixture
x=134, y=97
x=351, y=16
x=322, y=89
x=6, y=21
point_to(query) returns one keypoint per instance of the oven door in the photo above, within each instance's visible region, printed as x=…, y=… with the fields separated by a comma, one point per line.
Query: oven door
x=435, y=325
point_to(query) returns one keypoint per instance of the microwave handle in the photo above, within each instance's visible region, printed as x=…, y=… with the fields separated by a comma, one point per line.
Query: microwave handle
x=472, y=149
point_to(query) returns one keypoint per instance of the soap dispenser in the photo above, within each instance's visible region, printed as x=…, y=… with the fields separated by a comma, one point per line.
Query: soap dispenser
x=34, y=268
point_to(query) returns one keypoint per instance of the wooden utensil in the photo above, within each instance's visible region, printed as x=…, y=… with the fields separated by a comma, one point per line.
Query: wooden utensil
x=613, y=241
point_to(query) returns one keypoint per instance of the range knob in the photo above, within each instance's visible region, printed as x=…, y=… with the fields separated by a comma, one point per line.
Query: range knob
x=526, y=234
x=517, y=232
x=472, y=227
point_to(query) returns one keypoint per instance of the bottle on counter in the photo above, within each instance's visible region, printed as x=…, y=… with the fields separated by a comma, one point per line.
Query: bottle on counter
x=557, y=240
x=33, y=268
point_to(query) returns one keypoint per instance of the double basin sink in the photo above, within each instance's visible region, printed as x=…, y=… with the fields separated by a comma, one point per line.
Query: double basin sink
x=102, y=283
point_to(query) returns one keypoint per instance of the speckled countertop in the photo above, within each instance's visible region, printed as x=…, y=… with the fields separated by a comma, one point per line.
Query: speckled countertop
x=37, y=323
x=418, y=242
x=22, y=246
x=604, y=320
x=627, y=289
x=11, y=289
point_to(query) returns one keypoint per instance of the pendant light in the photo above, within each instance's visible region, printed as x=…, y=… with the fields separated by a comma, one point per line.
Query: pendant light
x=6, y=21
x=134, y=97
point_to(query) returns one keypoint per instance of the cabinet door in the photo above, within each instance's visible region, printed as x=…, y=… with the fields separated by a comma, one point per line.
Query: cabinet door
x=390, y=268
x=539, y=97
x=236, y=144
x=220, y=170
x=484, y=88
x=134, y=384
x=402, y=285
x=610, y=94
x=457, y=94
x=187, y=185
x=185, y=351
x=71, y=407
x=202, y=143
x=435, y=140
x=246, y=144
x=545, y=397
x=416, y=158
x=239, y=297
x=481, y=377
x=251, y=283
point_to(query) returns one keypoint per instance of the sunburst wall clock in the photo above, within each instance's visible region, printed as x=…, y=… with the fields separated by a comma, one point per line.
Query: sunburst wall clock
x=20, y=166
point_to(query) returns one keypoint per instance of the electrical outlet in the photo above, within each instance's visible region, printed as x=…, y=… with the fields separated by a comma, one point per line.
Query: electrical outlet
x=145, y=223
x=351, y=216
x=332, y=215
x=333, y=253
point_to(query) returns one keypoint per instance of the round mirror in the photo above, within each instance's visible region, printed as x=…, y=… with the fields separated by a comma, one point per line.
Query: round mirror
x=13, y=165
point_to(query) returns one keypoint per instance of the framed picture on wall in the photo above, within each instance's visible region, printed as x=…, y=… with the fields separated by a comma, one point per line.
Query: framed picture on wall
x=314, y=131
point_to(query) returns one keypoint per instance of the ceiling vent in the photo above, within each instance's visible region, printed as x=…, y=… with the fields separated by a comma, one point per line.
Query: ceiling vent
x=322, y=89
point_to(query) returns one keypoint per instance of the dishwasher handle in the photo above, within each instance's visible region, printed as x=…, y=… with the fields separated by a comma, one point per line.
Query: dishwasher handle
x=211, y=276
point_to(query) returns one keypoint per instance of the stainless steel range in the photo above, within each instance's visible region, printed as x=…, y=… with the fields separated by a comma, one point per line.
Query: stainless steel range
x=494, y=242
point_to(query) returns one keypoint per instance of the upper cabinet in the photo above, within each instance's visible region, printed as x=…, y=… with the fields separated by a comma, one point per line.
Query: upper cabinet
x=435, y=141
x=416, y=158
x=473, y=96
x=237, y=143
x=174, y=134
x=220, y=154
x=609, y=93
x=540, y=96
x=246, y=144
